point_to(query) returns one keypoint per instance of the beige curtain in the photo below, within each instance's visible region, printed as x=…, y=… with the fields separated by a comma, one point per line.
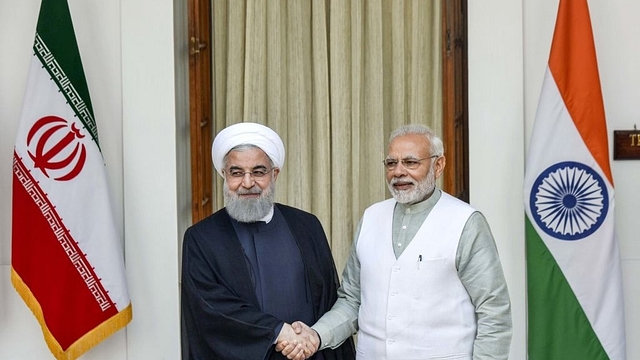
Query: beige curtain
x=333, y=78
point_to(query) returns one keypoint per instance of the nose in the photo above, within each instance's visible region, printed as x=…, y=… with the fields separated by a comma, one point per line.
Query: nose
x=248, y=181
x=399, y=170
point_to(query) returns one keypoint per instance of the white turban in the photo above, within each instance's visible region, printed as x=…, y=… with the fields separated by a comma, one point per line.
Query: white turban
x=250, y=134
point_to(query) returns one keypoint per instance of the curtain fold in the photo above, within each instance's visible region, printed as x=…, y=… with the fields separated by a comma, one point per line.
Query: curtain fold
x=333, y=78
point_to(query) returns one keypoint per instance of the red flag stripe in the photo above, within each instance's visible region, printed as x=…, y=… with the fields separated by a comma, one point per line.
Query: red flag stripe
x=52, y=265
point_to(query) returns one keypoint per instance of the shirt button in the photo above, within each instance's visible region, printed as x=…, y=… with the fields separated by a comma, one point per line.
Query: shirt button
x=390, y=317
x=399, y=244
x=390, y=341
x=404, y=227
x=393, y=293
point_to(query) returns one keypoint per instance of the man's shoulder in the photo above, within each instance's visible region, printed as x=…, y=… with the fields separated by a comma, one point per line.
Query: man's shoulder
x=391, y=202
x=298, y=219
x=218, y=218
x=209, y=232
x=287, y=210
x=448, y=198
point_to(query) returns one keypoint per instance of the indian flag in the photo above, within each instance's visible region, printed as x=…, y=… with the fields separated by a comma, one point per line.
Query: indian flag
x=574, y=285
x=66, y=255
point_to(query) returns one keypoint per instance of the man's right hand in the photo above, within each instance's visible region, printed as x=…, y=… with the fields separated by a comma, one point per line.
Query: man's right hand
x=302, y=344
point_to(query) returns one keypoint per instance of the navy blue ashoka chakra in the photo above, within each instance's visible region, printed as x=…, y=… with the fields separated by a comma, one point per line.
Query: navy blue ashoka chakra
x=569, y=201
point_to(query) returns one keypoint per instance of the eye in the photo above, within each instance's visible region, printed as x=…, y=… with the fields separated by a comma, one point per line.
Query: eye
x=259, y=173
x=236, y=173
x=390, y=163
x=411, y=163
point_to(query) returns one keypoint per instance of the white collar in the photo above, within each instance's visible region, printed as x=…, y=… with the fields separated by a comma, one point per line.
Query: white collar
x=267, y=218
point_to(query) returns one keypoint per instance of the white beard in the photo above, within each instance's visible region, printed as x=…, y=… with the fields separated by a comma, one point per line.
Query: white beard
x=419, y=193
x=249, y=210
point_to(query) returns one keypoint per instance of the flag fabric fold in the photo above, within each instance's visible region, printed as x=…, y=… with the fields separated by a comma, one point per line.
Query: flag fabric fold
x=574, y=282
x=66, y=253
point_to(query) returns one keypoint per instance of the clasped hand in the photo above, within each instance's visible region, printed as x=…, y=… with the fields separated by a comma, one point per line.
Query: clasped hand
x=297, y=341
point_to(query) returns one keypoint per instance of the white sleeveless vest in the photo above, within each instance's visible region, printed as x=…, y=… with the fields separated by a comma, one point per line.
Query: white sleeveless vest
x=414, y=307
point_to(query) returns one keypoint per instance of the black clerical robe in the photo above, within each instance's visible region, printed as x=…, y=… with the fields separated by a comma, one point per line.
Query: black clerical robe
x=221, y=312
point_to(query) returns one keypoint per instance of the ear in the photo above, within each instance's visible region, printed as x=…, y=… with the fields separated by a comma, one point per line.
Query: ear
x=441, y=162
x=276, y=171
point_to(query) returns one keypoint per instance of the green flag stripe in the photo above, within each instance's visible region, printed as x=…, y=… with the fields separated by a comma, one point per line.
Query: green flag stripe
x=558, y=327
x=56, y=47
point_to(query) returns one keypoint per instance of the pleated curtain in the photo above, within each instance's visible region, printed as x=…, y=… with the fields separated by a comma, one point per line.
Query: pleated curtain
x=333, y=78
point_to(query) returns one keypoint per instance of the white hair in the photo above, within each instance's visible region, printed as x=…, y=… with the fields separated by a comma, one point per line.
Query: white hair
x=437, y=148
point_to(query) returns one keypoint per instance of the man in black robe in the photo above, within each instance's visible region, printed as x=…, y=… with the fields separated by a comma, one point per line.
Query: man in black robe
x=254, y=267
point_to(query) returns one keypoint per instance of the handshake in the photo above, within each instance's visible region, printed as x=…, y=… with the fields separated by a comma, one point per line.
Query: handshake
x=297, y=341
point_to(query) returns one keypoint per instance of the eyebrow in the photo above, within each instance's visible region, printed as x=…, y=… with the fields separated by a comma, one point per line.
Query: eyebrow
x=257, y=167
x=410, y=157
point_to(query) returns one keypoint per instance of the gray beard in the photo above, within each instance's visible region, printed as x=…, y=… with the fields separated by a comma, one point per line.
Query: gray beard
x=249, y=210
x=422, y=189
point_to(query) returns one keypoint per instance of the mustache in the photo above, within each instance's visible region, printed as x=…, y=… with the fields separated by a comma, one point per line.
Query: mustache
x=406, y=180
x=253, y=190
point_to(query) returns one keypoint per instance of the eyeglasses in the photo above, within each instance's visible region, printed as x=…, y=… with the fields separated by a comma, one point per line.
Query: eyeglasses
x=255, y=173
x=409, y=163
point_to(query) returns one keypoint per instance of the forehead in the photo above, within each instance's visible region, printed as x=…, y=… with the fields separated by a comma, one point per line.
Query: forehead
x=247, y=158
x=411, y=145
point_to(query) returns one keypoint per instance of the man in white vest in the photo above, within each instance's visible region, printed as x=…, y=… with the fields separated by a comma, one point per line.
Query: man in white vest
x=424, y=279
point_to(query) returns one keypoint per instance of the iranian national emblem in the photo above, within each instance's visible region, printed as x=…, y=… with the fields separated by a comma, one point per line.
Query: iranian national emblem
x=54, y=146
x=569, y=200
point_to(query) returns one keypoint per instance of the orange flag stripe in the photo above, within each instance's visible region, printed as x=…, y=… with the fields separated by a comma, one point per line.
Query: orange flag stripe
x=574, y=67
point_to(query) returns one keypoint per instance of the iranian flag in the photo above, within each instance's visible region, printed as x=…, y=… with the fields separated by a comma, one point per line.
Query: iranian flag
x=66, y=256
x=574, y=285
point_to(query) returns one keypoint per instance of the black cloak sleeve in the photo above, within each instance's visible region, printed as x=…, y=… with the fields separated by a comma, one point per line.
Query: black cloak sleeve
x=222, y=319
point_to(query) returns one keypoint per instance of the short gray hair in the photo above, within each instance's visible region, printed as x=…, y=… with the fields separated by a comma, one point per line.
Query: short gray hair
x=437, y=148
